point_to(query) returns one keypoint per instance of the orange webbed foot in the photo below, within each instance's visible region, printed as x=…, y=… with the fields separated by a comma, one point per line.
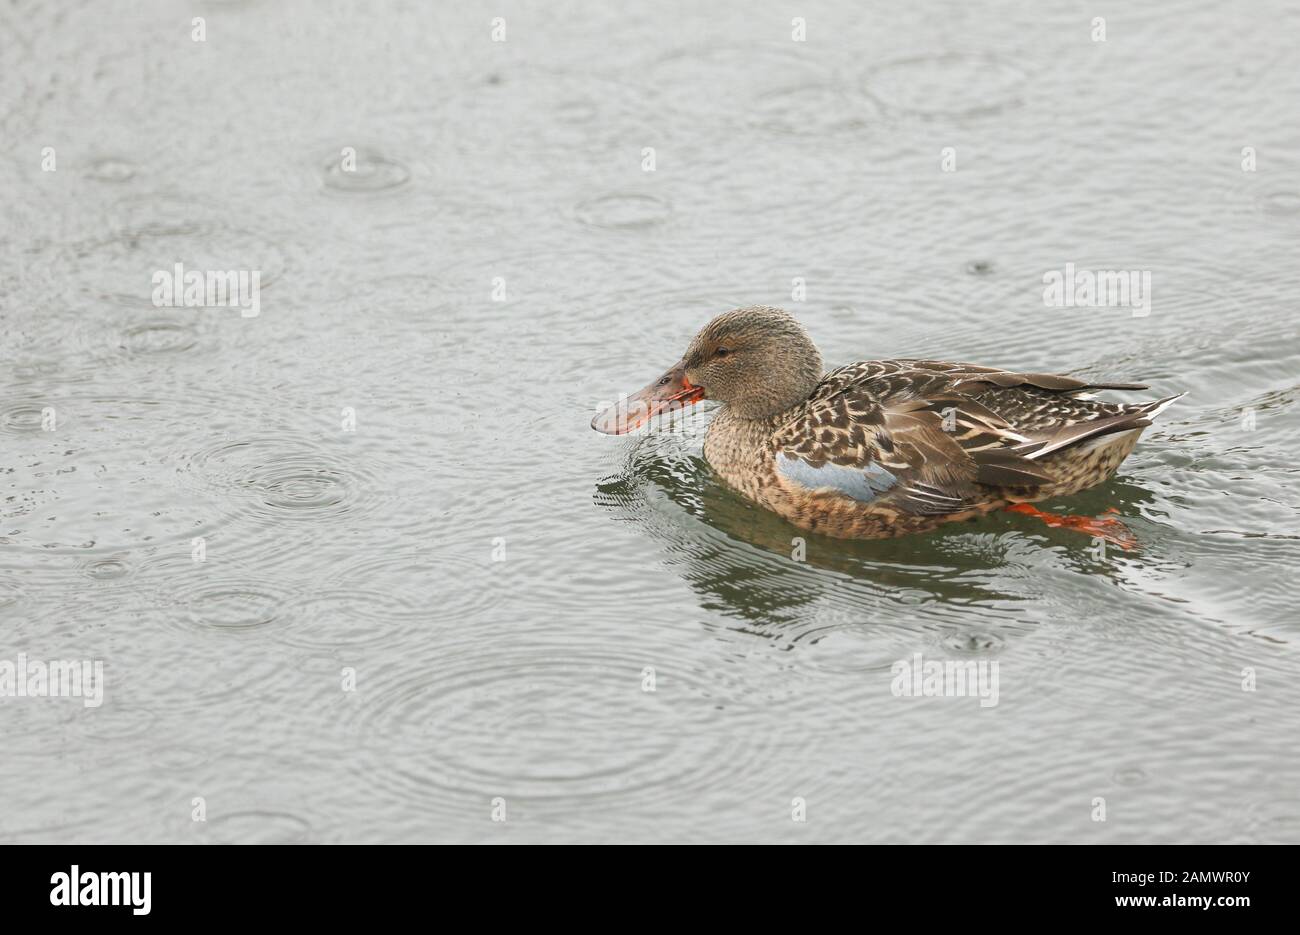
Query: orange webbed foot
x=1102, y=527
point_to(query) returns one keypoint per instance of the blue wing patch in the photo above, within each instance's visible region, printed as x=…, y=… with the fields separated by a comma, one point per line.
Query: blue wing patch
x=864, y=483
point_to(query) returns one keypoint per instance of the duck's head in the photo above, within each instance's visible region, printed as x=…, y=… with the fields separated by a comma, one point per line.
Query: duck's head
x=757, y=361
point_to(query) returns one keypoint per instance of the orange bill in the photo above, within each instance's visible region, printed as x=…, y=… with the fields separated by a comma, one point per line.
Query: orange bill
x=671, y=393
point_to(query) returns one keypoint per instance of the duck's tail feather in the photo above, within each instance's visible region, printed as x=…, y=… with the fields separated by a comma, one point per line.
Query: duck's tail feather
x=1154, y=409
x=1139, y=417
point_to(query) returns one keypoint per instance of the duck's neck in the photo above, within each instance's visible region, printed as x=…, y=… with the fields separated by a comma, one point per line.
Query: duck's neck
x=740, y=448
x=727, y=419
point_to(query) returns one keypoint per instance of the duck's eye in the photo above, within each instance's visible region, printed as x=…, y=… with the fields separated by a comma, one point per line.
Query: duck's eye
x=721, y=352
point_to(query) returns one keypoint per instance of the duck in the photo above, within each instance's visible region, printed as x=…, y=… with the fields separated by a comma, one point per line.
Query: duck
x=882, y=448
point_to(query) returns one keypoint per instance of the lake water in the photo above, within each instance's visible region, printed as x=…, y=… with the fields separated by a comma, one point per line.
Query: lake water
x=431, y=597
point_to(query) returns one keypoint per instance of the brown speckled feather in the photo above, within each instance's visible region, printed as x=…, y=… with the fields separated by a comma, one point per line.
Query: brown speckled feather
x=948, y=432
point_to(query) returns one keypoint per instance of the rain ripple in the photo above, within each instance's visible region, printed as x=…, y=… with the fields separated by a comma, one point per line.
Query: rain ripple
x=946, y=85
x=548, y=727
x=275, y=477
x=111, y=169
x=232, y=604
x=24, y=417
x=367, y=171
x=259, y=827
x=387, y=597
x=624, y=211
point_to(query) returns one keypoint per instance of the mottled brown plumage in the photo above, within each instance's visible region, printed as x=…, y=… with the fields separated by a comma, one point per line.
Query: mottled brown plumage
x=881, y=448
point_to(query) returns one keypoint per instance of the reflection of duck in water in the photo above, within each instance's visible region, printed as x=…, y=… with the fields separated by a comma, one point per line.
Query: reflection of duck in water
x=748, y=564
x=882, y=448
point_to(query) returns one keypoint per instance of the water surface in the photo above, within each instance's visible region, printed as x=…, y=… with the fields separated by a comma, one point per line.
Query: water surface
x=498, y=578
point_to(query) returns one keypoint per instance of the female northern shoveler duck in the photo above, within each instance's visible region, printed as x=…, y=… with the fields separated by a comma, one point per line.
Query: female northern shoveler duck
x=881, y=448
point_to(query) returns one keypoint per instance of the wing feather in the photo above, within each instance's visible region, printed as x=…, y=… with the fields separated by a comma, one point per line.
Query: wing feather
x=916, y=434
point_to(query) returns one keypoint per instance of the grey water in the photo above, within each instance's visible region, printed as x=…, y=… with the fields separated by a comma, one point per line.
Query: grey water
x=357, y=569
